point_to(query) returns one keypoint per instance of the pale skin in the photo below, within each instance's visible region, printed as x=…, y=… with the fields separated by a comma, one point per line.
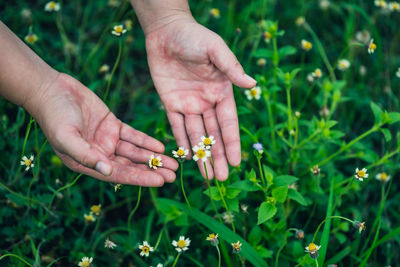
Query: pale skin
x=193, y=71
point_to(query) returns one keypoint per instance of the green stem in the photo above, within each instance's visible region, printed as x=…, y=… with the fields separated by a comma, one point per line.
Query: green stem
x=62, y=188
x=261, y=171
x=15, y=256
x=316, y=263
x=225, y=205
x=176, y=259
x=219, y=256
x=28, y=129
x=113, y=70
x=308, y=139
x=321, y=51
x=289, y=109
x=283, y=245
x=328, y=218
x=209, y=193
x=134, y=210
x=183, y=189
x=159, y=239
x=270, y=119
x=352, y=142
x=342, y=192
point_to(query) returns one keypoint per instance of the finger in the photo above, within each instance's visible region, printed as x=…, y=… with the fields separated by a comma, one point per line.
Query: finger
x=178, y=129
x=221, y=169
x=121, y=174
x=228, y=122
x=168, y=175
x=138, y=138
x=141, y=155
x=195, y=129
x=81, y=151
x=223, y=58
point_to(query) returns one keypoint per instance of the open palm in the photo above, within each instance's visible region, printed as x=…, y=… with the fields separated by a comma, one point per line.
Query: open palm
x=193, y=70
x=91, y=140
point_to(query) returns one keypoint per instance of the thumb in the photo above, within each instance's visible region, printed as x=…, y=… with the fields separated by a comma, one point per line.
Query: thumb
x=223, y=58
x=81, y=151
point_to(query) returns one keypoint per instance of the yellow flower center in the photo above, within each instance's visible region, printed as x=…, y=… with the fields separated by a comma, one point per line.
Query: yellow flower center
x=155, y=162
x=85, y=264
x=312, y=247
x=211, y=236
x=181, y=243
x=267, y=35
x=253, y=92
x=145, y=249
x=236, y=246
x=180, y=152
x=361, y=173
x=343, y=65
x=383, y=176
x=28, y=162
x=207, y=141
x=200, y=153
x=307, y=45
x=372, y=46
x=96, y=209
x=396, y=6
x=118, y=29
x=52, y=5
x=215, y=12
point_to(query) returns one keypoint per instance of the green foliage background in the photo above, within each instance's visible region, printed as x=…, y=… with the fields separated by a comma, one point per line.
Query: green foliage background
x=42, y=221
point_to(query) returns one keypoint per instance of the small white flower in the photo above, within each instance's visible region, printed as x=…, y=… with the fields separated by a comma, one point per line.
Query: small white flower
x=146, y=249
x=155, y=162
x=31, y=38
x=208, y=142
x=394, y=6
x=182, y=244
x=312, y=249
x=324, y=4
x=363, y=36
x=253, y=93
x=52, y=6
x=28, y=162
x=117, y=187
x=380, y=3
x=118, y=30
x=181, y=153
x=300, y=21
x=228, y=217
x=361, y=174
x=200, y=152
x=317, y=73
x=363, y=70
x=306, y=45
x=398, y=73
x=85, y=262
x=343, y=64
x=104, y=68
x=89, y=218
x=371, y=46
x=310, y=78
x=109, y=244
x=383, y=177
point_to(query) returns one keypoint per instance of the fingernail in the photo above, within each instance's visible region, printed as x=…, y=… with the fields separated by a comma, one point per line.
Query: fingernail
x=249, y=79
x=103, y=168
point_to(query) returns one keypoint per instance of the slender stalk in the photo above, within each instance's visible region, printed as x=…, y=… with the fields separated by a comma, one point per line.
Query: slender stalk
x=209, y=193
x=159, y=239
x=316, y=262
x=28, y=129
x=219, y=256
x=342, y=192
x=261, y=171
x=176, y=259
x=15, y=256
x=289, y=109
x=283, y=245
x=328, y=218
x=225, y=205
x=134, y=210
x=270, y=119
x=183, y=189
x=113, y=70
x=63, y=188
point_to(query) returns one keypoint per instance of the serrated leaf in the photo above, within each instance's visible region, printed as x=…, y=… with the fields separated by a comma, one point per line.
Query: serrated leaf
x=280, y=193
x=255, y=235
x=245, y=185
x=284, y=180
x=265, y=212
x=214, y=193
x=296, y=196
x=233, y=204
x=232, y=192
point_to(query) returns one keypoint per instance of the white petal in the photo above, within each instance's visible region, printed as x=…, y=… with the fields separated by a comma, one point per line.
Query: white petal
x=24, y=158
x=195, y=158
x=357, y=170
x=174, y=243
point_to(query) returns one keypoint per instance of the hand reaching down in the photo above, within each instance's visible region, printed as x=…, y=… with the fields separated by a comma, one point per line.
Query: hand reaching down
x=193, y=71
x=90, y=139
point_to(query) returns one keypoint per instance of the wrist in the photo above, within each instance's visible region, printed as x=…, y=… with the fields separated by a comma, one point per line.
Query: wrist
x=155, y=14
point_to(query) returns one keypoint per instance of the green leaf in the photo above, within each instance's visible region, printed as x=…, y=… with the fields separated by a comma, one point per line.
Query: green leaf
x=233, y=204
x=284, y=180
x=280, y=193
x=287, y=51
x=296, y=196
x=394, y=117
x=216, y=227
x=263, y=53
x=378, y=113
x=214, y=193
x=232, y=192
x=265, y=212
x=245, y=185
x=255, y=235
x=387, y=134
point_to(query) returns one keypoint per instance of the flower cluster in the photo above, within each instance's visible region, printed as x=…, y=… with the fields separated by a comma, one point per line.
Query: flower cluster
x=95, y=211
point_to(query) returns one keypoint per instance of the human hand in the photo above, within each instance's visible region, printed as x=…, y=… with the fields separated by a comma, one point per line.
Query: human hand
x=193, y=71
x=89, y=139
